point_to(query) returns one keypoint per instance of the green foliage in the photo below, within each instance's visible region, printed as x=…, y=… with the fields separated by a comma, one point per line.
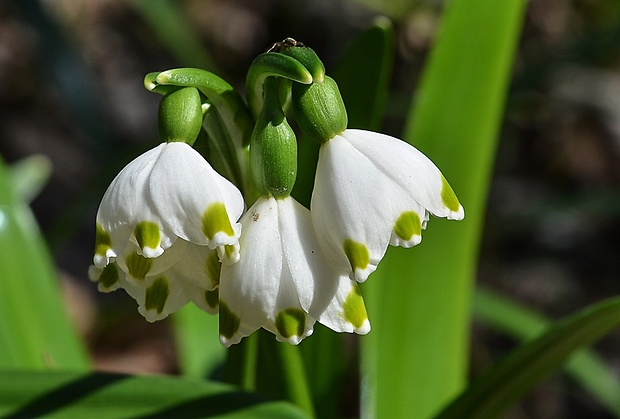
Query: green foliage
x=507, y=381
x=95, y=395
x=416, y=356
x=517, y=321
x=35, y=332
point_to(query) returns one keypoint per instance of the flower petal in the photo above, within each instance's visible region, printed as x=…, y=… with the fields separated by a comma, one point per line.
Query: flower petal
x=157, y=297
x=261, y=289
x=126, y=212
x=409, y=167
x=348, y=213
x=315, y=280
x=196, y=203
x=249, y=288
x=138, y=267
x=346, y=312
x=198, y=265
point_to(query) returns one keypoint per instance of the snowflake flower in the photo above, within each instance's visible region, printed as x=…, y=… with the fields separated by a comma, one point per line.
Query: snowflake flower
x=161, y=226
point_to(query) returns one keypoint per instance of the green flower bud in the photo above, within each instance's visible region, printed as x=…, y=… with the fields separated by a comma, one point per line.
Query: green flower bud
x=180, y=115
x=273, y=147
x=319, y=109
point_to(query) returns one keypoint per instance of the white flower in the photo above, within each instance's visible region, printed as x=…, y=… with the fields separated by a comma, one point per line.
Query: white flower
x=372, y=190
x=160, y=227
x=282, y=281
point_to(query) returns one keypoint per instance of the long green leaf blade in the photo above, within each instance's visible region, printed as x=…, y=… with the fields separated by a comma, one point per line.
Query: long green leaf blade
x=34, y=331
x=416, y=358
x=363, y=75
x=509, y=380
x=197, y=342
x=519, y=322
x=70, y=395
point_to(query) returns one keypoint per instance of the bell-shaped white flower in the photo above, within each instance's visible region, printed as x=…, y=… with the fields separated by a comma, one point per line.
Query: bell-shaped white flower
x=372, y=190
x=160, y=226
x=283, y=282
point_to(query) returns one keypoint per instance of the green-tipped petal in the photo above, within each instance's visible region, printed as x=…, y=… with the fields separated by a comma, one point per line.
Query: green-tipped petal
x=291, y=325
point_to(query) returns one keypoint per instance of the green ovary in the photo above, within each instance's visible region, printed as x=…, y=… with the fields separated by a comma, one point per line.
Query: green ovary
x=229, y=321
x=448, y=197
x=103, y=241
x=408, y=225
x=354, y=308
x=138, y=266
x=357, y=253
x=215, y=219
x=157, y=294
x=147, y=235
x=291, y=322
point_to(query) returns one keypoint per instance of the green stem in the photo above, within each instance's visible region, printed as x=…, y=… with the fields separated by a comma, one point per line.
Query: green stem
x=272, y=64
x=241, y=363
x=294, y=377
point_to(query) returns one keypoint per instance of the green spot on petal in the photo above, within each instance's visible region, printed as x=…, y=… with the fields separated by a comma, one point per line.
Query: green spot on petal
x=448, y=197
x=229, y=321
x=291, y=322
x=229, y=250
x=408, y=225
x=103, y=241
x=147, y=234
x=354, y=308
x=157, y=294
x=215, y=220
x=109, y=275
x=212, y=298
x=214, y=268
x=357, y=253
x=138, y=266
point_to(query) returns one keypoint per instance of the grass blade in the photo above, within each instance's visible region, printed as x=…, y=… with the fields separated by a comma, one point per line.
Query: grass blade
x=416, y=359
x=509, y=380
x=35, y=331
x=519, y=322
x=198, y=345
x=69, y=395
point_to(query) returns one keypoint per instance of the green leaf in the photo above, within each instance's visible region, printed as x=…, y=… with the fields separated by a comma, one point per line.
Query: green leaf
x=363, y=75
x=28, y=176
x=35, y=331
x=507, y=381
x=198, y=345
x=69, y=395
x=260, y=363
x=416, y=356
x=519, y=322
x=174, y=31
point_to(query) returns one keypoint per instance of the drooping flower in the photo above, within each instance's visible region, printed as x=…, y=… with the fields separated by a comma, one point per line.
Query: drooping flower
x=283, y=282
x=161, y=225
x=370, y=189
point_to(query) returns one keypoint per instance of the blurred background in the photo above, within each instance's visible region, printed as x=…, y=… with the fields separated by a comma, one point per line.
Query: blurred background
x=71, y=89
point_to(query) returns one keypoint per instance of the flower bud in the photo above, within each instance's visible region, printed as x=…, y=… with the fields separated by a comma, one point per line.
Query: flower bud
x=273, y=147
x=180, y=116
x=319, y=109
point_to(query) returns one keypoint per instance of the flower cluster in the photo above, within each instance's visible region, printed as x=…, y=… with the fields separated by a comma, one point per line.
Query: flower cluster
x=171, y=229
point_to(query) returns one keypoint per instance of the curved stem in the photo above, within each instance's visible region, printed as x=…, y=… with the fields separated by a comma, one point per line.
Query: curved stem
x=272, y=64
